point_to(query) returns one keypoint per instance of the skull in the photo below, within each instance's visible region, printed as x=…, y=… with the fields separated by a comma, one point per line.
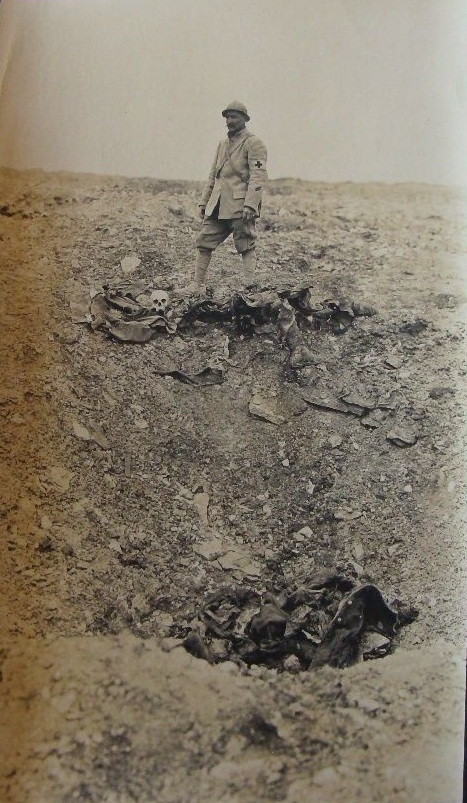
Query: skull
x=160, y=301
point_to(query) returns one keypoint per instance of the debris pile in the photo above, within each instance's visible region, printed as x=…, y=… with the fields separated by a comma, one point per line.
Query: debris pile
x=325, y=620
x=135, y=314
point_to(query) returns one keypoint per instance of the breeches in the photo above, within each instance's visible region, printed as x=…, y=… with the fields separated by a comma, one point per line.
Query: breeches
x=214, y=232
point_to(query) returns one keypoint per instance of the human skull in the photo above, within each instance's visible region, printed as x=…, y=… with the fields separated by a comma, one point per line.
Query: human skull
x=160, y=301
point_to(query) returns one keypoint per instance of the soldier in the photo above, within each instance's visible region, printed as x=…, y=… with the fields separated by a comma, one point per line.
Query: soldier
x=231, y=200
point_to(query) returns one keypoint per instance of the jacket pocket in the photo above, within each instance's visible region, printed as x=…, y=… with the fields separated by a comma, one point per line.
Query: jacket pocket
x=238, y=194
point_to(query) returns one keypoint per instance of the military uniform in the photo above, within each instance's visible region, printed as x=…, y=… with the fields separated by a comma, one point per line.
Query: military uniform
x=232, y=196
x=236, y=179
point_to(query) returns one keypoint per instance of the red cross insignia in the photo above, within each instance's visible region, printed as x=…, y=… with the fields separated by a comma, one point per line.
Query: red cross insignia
x=258, y=163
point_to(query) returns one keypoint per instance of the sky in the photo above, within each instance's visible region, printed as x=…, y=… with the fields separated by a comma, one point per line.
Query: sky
x=339, y=90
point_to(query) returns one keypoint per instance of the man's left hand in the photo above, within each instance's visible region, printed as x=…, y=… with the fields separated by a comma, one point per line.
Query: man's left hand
x=248, y=214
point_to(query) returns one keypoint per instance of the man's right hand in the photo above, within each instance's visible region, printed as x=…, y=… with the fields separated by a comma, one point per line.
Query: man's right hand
x=202, y=212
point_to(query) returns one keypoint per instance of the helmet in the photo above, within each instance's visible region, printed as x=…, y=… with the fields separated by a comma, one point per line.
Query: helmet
x=236, y=106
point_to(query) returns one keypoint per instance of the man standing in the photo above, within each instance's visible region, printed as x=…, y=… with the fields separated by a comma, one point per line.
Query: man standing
x=231, y=200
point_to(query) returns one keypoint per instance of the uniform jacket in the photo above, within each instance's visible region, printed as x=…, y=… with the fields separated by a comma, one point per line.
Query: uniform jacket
x=237, y=176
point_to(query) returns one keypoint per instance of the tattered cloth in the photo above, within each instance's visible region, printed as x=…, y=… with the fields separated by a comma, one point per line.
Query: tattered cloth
x=127, y=315
x=326, y=620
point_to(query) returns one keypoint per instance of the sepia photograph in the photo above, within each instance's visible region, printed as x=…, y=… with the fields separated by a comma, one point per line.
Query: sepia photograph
x=233, y=260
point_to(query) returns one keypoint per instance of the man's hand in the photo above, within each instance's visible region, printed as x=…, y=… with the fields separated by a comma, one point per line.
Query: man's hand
x=248, y=214
x=202, y=212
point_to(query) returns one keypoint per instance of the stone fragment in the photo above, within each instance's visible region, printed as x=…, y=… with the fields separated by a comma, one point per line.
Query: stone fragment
x=402, y=436
x=130, y=263
x=80, y=431
x=259, y=408
x=393, y=362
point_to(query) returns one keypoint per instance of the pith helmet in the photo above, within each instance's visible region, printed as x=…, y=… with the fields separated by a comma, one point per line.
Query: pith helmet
x=236, y=106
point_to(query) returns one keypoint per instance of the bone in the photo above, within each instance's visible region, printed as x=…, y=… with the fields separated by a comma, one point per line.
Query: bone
x=160, y=301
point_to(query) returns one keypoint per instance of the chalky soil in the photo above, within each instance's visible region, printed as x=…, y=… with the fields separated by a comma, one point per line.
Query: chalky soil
x=145, y=483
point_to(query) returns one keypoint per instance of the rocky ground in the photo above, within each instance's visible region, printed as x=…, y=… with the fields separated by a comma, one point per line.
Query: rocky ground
x=125, y=490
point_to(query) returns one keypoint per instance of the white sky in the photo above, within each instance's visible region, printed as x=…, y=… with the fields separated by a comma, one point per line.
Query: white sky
x=357, y=90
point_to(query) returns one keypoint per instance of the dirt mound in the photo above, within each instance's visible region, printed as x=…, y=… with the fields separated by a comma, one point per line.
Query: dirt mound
x=117, y=718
